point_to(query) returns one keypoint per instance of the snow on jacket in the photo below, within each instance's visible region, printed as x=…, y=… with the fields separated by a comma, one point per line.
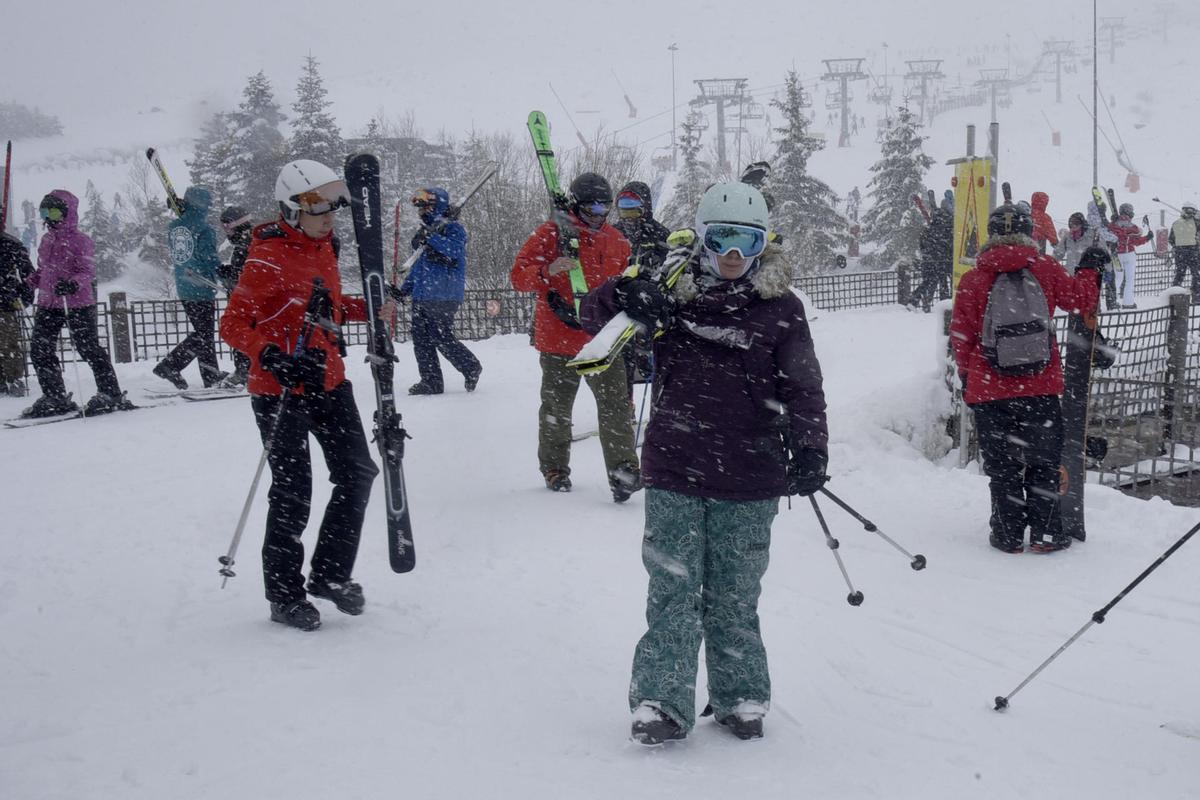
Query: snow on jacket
x=15, y=270
x=65, y=253
x=193, y=245
x=1078, y=293
x=440, y=274
x=1043, y=225
x=603, y=253
x=647, y=236
x=269, y=303
x=733, y=375
x=1129, y=235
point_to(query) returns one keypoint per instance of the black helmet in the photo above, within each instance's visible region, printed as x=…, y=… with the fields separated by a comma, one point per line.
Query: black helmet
x=590, y=188
x=1008, y=220
x=1126, y=210
x=1095, y=258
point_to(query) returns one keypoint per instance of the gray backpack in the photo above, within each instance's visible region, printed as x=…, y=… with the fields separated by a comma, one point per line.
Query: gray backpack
x=1017, y=328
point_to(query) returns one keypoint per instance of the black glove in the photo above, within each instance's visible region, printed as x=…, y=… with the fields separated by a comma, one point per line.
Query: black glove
x=420, y=237
x=1146, y=221
x=645, y=302
x=806, y=471
x=65, y=288
x=306, y=367
x=563, y=309
x=398, y=293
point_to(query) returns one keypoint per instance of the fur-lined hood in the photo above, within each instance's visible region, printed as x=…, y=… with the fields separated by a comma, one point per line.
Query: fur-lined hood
x=770, y=278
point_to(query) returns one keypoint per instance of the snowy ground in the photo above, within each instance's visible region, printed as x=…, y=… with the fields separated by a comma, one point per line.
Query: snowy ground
x=499, y=667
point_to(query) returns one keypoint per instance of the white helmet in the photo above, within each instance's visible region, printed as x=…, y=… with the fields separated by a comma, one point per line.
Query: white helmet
x=735, y=202
x=301, y=176
x=1189, y=204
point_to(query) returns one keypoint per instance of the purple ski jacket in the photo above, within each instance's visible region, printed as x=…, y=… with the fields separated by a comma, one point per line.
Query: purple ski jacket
x=65, y=253
x=733, y=376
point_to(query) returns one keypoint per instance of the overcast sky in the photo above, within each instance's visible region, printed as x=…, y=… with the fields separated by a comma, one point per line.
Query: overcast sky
x=486, y=64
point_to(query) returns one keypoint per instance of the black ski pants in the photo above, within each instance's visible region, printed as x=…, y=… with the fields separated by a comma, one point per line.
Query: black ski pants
x=1021, y=440
x=433, y=332
x=199, y=343
x=1187, y=262
x=43, y=349
x=333, y=420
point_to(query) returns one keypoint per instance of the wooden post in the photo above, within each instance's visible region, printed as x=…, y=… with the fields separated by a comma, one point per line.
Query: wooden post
x=1177, y=335
x=118, y=313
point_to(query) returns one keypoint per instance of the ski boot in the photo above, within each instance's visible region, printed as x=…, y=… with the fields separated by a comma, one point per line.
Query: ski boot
x=557, y=480
x=347, y=596
x=299, y=614
x=652, y=726
x=421, y=387
x=171, y=375
x=235, y=380
x=1050, y=545
x=1006, y=545
x=624, y=481
x=50, y=406
x=471, y=379
x=215, y=380
x=106, y=403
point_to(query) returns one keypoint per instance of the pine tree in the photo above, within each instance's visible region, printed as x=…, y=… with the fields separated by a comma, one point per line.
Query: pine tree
x=893, y=222
x=214, y=163
x=805, y=210
x=315, y=134
x=694, y=176
x=259, y=150
x=97, y=223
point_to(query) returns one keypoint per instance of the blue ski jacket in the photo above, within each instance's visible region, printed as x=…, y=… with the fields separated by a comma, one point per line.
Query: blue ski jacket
x=440, y=274
x=193, y=245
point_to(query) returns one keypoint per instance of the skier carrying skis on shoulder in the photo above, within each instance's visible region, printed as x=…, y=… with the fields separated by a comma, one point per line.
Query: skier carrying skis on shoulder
x=64, y=279
x=264, y=320
x=238, y=226
x=542, y=267
x=1129, y=236
x=738, y=422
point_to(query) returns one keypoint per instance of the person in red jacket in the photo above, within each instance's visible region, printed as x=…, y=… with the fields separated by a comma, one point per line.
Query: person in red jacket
x=1018, y=417
x=1043, y=225
x=1129, y=237
x=264, y=320
x=560, y=283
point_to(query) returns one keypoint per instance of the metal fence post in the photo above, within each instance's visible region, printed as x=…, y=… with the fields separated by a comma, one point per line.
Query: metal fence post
x=118, y=310
x=903, y=283
x=1177, y=333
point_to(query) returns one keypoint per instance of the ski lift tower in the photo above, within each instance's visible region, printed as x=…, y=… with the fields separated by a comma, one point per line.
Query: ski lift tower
x=1111, y=25
x=1058, y=48
x=844, y=70
x=924, y=70
x=721, y=92
x=747, y=110
x=995, y=80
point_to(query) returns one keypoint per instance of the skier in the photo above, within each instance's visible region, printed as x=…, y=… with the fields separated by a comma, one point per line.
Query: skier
x=648, y=242
x=557, y=334
x=64, y=280
x=1019, y=416
x=937, y=258
x=1043, y=226
x=15, y=294
x=1129, y=236
x=238, y=226
x=1185, y=239
x=437, y=283
x=738, y=389
x=264, y=320
x=194, y=252
x=1074, y=240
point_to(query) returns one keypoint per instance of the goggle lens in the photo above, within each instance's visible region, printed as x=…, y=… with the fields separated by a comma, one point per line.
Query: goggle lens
x=629, y=201
x=424, y=199
x=597, y=209
x=52, y=214
x=723, y=238
x=324, y=199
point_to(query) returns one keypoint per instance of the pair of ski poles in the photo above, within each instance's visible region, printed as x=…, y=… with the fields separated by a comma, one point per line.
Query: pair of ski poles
x=855, y=598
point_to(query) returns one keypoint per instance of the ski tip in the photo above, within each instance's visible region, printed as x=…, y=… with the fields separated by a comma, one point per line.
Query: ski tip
x=536, y=117
x=150, y=151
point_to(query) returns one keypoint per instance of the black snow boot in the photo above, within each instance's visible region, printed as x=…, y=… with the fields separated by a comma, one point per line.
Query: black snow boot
x=299, y=614
x=624, y=481
x=172, y=375
x=105, y=403
x=471, y=379
x=423, y=388
x=49, y=405
x=743, y=727
x=652, y=726
x=347, y=596
x=557, y=480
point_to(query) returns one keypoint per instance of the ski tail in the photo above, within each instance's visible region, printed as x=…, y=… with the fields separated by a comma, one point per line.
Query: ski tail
x=7, y=186
x=920, y=204
x=1006, y=190
x=173, y=201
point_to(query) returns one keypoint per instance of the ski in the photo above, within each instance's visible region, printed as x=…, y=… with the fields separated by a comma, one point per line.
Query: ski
x=1101, y=204
x=200, y=395
x=7, y=187
x=568, y=236
x=33, y=422
x=173, y=201
x=920, y=204
x=362, y=179
x=452, y=214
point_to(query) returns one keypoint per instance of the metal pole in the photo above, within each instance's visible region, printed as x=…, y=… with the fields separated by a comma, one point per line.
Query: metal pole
x=993, y=102
x=845, y=139
x=1095, y=96
x=674, y=147
x=1058, y=77
x=994, y=148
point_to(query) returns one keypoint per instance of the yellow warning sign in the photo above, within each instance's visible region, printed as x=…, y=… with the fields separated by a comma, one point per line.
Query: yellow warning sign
x=972, y=188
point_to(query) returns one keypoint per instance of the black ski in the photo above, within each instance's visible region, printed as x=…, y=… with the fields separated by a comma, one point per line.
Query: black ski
x=362, y=178
x=1077, y=378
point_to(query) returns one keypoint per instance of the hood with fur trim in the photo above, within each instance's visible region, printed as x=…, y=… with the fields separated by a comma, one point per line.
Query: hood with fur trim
x=770, y=278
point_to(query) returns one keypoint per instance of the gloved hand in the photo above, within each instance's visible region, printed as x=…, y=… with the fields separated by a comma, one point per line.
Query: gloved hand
x=420, y=237
x=1146, y=221
x=65, y=288
x=645, y=302
x=806, y=471
x=305, y=368
x=398, y=293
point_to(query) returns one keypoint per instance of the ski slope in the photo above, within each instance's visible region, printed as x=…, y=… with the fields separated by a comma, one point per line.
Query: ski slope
x=499, y=667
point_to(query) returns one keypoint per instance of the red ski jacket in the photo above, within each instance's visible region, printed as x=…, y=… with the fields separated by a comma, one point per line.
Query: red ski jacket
x=1129, y=235
x=271, y=298
x=1080, y=293
x=1043, y=225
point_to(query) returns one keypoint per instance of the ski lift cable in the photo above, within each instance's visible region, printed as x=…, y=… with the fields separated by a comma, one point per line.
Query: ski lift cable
x=1113, y=120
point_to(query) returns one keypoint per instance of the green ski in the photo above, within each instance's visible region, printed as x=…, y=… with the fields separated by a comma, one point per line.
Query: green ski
x=568, y=236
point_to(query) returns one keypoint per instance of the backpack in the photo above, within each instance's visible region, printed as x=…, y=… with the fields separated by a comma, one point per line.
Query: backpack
x=1017, y=330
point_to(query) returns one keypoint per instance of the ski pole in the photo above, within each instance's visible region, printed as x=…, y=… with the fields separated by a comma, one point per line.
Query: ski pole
x=74, y=361
x=1098, y=616
x=637, y=434
x=855, y=598
x=917, y=562
x=1168, y=205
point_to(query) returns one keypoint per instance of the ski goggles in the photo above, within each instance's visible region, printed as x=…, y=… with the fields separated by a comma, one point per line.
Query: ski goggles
x=629, y=201
x=724, y=237
x=596, y=209
x=424, y=199
x=52, y=213
x=324, y=199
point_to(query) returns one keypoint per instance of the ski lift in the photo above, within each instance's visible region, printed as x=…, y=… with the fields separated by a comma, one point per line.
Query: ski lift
x=881, y=95
x=806, y=100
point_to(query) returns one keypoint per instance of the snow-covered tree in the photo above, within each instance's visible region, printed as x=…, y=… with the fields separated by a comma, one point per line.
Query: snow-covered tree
x=694, y=175
x=259, y=150
x=97, y=222
x=805, y=210
x=893, y=222
x=315, y=134
x=214, y=164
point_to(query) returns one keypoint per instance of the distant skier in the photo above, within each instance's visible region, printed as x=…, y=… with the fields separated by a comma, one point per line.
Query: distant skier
x=264, y=320
x=937, y=258
x=1185, y=239
x=1105, y=238
x=437, y=284
x=238, y=225
x=648, y=243
x=15, y=295
x=1074, y=239
x=1129, y=236
x=1044, y=235
x=64, y=279
x=541, y=267
x=739, y=421
x=193, y=245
